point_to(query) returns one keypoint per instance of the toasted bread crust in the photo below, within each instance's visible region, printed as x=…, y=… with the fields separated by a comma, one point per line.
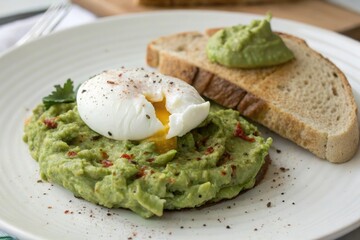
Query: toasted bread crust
x=258, y=94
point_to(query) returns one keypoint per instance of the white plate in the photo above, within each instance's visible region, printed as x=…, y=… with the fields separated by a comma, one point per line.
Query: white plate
x=313, y=199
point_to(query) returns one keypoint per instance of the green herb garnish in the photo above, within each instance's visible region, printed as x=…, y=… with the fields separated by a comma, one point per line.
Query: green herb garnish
x=64, y=94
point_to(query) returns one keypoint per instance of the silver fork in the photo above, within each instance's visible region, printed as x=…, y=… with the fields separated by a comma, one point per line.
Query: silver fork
x=47, y=22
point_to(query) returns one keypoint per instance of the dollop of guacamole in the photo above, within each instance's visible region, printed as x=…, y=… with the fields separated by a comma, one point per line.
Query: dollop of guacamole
x=248, y=46
x=212, y=162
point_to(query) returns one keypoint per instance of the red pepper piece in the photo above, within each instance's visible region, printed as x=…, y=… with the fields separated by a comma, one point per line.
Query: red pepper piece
x=141, y=172
x=50, y=123
x=239, y=132
x=209, y=150
x=127, y=156
x=71, y=153
x=106, y=163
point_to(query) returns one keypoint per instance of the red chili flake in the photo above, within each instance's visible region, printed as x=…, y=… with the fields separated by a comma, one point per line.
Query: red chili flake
x=50, y=123
x=152, y=172
x=150, y=160
x=66, y=211
x=223, y=172
x=120, y=75
x=127, y=156
x=239, y=132
x=110, y=82
x=71, y=153
x=198, y=158
x=106, y=163
x=209, y=150
x=104, y=155
x=141, y=172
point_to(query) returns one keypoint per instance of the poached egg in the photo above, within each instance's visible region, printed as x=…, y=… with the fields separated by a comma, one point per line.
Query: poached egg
x=136, y=104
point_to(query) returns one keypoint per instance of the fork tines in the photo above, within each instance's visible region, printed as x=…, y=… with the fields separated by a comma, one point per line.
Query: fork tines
x=47, y=22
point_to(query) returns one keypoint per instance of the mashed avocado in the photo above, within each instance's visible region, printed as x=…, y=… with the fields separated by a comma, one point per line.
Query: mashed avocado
x=251, y=46
x=212, y=162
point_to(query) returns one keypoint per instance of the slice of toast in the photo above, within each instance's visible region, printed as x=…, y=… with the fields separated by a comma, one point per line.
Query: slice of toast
x=307, y=100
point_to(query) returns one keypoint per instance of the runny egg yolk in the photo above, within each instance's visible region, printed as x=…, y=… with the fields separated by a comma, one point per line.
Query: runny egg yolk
x=159, y=138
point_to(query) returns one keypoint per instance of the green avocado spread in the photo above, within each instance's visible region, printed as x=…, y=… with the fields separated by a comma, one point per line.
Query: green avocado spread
x=248, y=46
x=212, y=162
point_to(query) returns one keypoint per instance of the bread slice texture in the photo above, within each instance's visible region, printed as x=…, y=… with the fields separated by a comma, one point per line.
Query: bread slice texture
x=307, y=100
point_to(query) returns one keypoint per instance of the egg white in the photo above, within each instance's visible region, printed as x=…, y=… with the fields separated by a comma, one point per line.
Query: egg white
x=118, y=104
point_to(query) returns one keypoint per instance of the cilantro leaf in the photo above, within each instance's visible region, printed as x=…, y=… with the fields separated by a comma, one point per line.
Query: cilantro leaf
x=64, y=94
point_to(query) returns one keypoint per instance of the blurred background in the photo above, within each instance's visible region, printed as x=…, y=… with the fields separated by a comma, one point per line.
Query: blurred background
x=18, y=16
x=337, y=15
